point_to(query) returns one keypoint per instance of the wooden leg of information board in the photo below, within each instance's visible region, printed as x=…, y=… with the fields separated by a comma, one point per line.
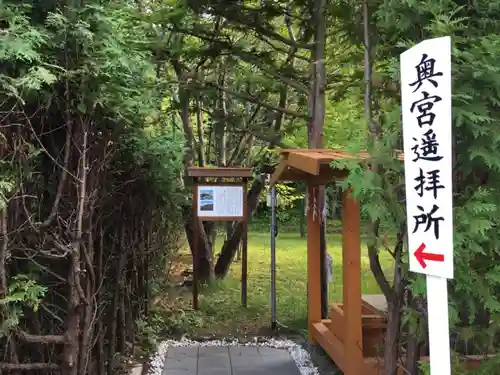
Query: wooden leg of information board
x=244, y=248
x=196, y=235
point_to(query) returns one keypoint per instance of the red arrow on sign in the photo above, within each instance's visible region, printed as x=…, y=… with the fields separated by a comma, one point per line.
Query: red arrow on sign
x=422, y=256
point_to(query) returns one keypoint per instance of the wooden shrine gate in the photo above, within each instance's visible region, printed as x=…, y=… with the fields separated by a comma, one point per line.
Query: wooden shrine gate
x=354, y=335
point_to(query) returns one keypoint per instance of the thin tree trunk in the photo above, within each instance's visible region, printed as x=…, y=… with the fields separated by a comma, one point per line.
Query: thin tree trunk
x=316, y=125
x=203, y=251
x=413, y=346
x=201, y=134
x=221, y=123
x=76, y=293
x=394, y=293
x=4, y=248
x=88, y=315
x=122, y=259
x=101, y=332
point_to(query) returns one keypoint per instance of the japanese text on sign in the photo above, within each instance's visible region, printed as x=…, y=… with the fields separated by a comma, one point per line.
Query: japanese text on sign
x=426, y=107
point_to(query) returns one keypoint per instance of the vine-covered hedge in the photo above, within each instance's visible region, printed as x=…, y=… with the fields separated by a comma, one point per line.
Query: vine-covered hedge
x=89, y=183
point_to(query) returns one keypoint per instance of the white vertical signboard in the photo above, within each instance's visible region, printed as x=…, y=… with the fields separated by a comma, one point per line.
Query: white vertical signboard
x=426, y=108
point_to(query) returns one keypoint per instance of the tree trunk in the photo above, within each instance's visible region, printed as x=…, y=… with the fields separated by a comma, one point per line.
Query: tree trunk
x=412, y=354
x=113, y=327
x=231, y=245
x=394, y=313
x=221, y=123
x=100, y=331
x=72, y=335
x=88, y=311
x=316, y=124
x=201, y=134
x=204, y=251
x=414, y=332
x=391, y=344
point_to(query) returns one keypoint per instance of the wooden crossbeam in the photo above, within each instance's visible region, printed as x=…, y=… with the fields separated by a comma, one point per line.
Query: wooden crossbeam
x=220, y=172
x=313, y=165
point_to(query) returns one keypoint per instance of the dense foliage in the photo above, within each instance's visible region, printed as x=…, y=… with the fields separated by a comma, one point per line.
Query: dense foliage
x=89, y=183
x=474, y=298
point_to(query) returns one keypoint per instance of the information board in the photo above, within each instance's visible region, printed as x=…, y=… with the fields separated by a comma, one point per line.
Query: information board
x=220, y=202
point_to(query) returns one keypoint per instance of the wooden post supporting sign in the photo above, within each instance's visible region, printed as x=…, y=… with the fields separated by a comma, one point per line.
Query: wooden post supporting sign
x=196, y=234
x=244, y=250
x=219, y=201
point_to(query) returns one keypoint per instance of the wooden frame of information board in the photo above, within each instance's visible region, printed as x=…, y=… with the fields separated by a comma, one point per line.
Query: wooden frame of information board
x=212, y=200
x=215, y=182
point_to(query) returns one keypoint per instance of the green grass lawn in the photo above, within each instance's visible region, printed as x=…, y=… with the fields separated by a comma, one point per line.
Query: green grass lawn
x=220, y=304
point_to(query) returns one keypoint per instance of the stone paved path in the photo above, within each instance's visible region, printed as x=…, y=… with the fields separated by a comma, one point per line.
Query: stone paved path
x=223, y=360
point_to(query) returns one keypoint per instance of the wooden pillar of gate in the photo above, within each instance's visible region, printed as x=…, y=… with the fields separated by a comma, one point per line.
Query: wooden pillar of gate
x=351, y=284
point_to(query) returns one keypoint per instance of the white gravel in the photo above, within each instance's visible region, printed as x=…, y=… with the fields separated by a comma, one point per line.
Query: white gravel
x=297, y=352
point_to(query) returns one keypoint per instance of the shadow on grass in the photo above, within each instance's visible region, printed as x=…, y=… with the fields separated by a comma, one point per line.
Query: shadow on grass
x=221, y=312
